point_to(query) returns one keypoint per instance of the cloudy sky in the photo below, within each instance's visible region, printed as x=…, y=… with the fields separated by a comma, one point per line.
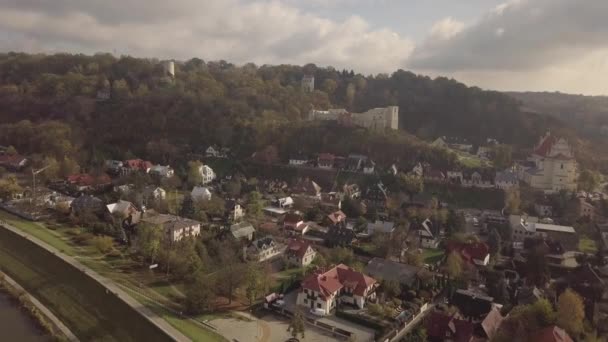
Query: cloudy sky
x=497, y=44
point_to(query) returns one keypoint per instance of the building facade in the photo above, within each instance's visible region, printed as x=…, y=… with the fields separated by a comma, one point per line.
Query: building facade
x=377, y=119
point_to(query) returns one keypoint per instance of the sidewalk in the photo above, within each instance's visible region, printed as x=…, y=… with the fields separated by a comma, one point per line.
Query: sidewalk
x=108, y=284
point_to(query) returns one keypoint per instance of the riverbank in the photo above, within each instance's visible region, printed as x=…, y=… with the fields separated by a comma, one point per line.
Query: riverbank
x=46, y=320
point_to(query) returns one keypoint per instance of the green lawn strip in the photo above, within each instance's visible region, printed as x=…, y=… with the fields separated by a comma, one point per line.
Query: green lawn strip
x=587, y=245
x=40, y=231
x=186, y=326
x=431, y=256
x=287, y=274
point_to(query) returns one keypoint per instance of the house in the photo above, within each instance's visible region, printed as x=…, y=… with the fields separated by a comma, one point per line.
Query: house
x=174, y=227
x=355, y=162
x=217, y=152
x=455, y=176
x=234, y=211
x=551, y=333
x=59, y=203
x=543, y=209
x=476, y=253
x=299, y=253
x=506, y=180
x=393, y=170
x=125, y=210
x=263, y=249
x=526, y=295
x=376, y=196
x=113, y=166
x=326, y=161
x=425, y=234
x=162, y=171
x=201, y=193
x=207, y=174
x=154, y=192
x=484, y=152
x=442, y=327
x=528, y=227
x=242, y=231
x=13, y=162
x=293, y=223
x=268, y=155
x=472, y=304
x=351, y=191
x=298, y=159
x=369, y=167
x=284, y=202
x=376, y=119
x=335, y=218
x=554, y=167
x=136, y=165
x=434, y=176
x=331, y=201
x=340, y=235
x=87, y=204
x=418, y=170
x=406, y=275
x=307, y=188
x=87, y=182
x=486, y=329
x=454, y=143
x=477, y=179
x=380, y=227
x=584, y=208
x=341, y=284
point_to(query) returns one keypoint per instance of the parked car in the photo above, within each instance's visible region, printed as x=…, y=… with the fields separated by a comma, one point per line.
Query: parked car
x=317, y=312
x=279, y=302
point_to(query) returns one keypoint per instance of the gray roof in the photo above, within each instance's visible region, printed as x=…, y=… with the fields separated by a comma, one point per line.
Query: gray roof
x=169, y=222
x=380, y=227
x=391, y=270
x=86, y=202
x=506, y=177
x=242, y=229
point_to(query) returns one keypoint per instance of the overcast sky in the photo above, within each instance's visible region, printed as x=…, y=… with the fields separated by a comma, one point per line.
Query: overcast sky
x=495, y=44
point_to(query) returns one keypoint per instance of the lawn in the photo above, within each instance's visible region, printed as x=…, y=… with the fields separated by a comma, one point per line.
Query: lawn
x=586, y=245
x=470, y=161
x=39, y=230
x=432, y=256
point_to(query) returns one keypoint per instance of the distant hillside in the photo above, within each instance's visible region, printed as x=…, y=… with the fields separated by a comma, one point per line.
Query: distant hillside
x=245, y=107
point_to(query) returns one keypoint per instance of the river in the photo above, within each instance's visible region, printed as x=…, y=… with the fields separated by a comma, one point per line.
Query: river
x=16, y=325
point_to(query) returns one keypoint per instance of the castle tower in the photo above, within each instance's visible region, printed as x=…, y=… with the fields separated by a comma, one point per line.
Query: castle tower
x=308, y=83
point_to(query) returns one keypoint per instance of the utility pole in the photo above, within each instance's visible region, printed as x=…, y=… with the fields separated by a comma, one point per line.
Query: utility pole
x=34, y=173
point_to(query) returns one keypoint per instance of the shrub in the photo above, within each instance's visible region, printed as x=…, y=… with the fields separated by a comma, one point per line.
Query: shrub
x=74, y=231
x=104, y=244
x=114, y=253
x=83, y=238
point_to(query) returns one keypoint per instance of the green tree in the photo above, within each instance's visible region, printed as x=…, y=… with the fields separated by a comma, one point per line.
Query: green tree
x=255, y=204
x=297, y=324
x=199, y=294
x=502, y=156
x=588, y=180
x=194, y=174
x=11, y=150
x=149, y=238
x=231, y=275
x=454, y=265
x=391, y=288
x=68, y=167
x=187, y=208
x=494, y=242
x=570, y=312
x=410, y=184
x=52, y=168
x=9, y=187
x=252, y=282
x=455, y=222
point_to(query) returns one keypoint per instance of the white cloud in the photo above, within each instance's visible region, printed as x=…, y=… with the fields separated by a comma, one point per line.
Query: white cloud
x=257, y=31
x=446, y=28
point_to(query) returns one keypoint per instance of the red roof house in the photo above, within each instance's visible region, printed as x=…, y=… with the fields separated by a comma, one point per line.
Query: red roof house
x=85, y=181
x=137, y=165
x=442, y=327
x=336, y=217
x=300, y=252
x=322, y=291
x=477, y=253
x=13, y=162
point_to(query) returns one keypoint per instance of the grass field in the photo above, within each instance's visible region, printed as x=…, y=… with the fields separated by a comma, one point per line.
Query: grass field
x=122, y=270
x=586, y=245
x=431, y=256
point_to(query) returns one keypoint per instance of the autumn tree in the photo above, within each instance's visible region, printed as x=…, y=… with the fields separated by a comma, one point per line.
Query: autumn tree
x=454, y=265
x=502, y=156
x=297, y=324
x=200, y=294
x=9, y=187
x=149, y=238
x=410, y=184
x=194, y=173
x=570, y=312
x=512, y=201
x=588, y=180
x=255, y=204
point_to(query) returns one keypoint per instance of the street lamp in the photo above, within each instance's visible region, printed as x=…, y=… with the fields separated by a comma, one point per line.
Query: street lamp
x=34, y=173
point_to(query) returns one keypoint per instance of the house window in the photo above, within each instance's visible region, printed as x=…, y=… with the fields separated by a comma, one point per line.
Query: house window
x=319, y=305
x=562, y=166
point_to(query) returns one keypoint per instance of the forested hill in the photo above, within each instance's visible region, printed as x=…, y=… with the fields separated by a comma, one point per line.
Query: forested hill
x=589, y=114
x=246, y=107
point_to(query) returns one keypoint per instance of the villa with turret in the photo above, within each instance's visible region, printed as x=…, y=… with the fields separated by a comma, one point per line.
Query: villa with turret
x=376, y=119
x=551, y=167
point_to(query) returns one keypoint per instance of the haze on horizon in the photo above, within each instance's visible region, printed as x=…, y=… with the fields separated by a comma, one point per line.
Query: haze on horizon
x=536, y=45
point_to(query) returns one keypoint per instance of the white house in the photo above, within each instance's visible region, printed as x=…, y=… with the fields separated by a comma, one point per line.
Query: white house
x=217, y=152
x=506, y=180
x=425, y=233
x=322, y=291
x=125, y=210
x=155, y=193
x=300, y=253
x=201, y=193
x=263, y=249
x=369, y=167
x=174, y=227
x=527, y=227
x=298, y=160
x=285, y=202
x=207, y=174
x=418, y=170
x=162, y=171
x=234, y=211
x=555, y=168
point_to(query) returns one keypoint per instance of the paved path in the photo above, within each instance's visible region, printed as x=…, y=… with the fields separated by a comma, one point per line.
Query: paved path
x=108, y=284
x=45, y=311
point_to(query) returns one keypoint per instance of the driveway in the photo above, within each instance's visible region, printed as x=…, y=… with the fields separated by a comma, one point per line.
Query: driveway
x=269, y=328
